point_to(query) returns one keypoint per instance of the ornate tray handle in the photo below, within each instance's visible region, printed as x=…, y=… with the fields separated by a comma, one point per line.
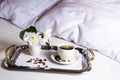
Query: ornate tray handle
x=9, y=51
x=90, y=54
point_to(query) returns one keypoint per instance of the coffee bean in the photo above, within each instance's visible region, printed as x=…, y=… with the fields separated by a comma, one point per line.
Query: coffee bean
x=68, y=60
x=43, y=63
x=57, y=58
x=63, y=60
x=45, y=59
x=38, y=66
x=37, y=58
x=29, y=61
x=40, y=60
x=35, y=63
x=46, y=66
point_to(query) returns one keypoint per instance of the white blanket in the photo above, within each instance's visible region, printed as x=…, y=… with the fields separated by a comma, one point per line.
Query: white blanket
x=93, y=24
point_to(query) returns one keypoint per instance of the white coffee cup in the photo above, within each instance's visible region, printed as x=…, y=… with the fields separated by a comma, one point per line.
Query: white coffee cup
x=67, y=52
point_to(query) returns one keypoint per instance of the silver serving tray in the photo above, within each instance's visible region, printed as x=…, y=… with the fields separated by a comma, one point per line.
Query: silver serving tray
x=18, y=58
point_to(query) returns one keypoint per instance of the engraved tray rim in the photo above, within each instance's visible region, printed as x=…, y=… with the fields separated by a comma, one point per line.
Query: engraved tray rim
x=9, y=52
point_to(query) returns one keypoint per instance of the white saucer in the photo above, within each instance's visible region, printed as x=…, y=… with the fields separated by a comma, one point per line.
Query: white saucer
x=77, y=56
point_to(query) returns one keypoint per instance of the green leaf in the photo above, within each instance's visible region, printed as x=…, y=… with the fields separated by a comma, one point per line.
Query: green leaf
x=21, y=34
x=48, y=45
x=31, y=29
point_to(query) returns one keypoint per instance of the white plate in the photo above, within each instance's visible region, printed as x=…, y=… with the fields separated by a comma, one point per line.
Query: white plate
x=77, y=56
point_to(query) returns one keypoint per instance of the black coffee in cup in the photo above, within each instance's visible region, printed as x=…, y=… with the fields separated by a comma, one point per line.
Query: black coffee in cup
x=66, y=47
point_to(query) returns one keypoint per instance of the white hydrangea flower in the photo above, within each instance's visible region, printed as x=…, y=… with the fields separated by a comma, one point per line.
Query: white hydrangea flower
x=47, y=35
x=32, y=38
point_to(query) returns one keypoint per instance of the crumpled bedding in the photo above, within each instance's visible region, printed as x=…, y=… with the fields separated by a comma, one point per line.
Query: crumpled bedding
x=24, y=13
x=93, y=24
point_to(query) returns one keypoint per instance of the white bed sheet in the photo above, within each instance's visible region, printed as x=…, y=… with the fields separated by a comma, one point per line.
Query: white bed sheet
x=103, y=68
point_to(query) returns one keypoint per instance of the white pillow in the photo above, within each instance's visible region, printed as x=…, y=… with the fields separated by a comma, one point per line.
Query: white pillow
x=95, y=28
x=24, y=12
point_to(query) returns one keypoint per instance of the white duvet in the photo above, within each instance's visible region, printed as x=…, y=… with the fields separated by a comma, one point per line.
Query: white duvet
x=94, y=24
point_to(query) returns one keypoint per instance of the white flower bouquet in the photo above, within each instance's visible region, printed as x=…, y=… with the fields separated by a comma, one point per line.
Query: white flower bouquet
x=35, y=39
